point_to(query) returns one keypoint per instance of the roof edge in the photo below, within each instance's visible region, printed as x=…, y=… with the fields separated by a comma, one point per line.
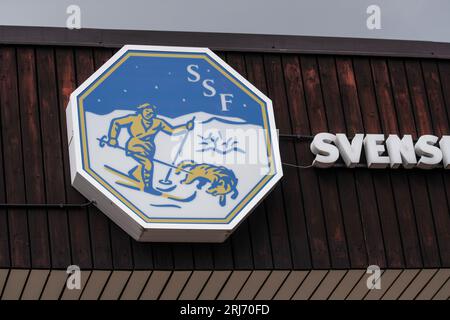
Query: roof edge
x=224, y=41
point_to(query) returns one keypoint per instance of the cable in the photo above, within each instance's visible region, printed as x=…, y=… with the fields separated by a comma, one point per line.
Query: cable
x=335, y=165
x=305, y=137
x=297, y=166
x=296, y=136
x=45, y=205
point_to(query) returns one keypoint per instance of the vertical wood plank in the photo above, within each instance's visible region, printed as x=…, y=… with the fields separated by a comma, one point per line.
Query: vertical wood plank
x=142, y=255
x=356, y=88
x=5, y=261
x=13, y=169
x=444, y=73
x=162, y=256
x=403, y=195
x=79, y=228
x=345, y=178
x=52, y=156
x=423, y=122
x=85, y=65
x=441, y=126
x=183, y=258
x=297, y=222
x=99, y=222
x=283, y=194
x=121, y=248
x=203, y=257
x=313, y=182
x=386, y=185
x=331, y=204
x=258, y=223
x=419, y=193
x=32, y=148
x=384, y=206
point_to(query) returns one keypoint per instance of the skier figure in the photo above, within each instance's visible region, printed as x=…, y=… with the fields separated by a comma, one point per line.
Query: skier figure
x=143, y=128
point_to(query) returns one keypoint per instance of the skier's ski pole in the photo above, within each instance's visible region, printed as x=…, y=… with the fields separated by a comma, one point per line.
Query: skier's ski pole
x=103, y=141
x=166, y=180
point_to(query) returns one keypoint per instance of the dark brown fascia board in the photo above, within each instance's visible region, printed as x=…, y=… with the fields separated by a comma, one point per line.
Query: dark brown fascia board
x=224, y=41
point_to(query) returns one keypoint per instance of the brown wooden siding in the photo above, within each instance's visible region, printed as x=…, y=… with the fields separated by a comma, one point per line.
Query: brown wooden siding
x=334, y=218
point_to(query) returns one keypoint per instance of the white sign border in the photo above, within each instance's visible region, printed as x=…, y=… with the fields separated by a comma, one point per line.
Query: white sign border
x=78, y=172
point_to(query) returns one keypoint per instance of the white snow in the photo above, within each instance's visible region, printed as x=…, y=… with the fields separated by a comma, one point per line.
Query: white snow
x=248, y=174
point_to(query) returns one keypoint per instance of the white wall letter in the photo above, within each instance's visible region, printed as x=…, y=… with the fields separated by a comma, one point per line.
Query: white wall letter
x=401, y=151
x=444, y=144
x=430, y=155
x=190, y=69
x=207, y=84
x=74, y=19
x=351, y=153
x=373, y=145
x=374, y=20
x=326, y=153
x=224, y=101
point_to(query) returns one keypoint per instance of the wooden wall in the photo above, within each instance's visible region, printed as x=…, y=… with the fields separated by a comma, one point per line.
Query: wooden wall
x=321, y=219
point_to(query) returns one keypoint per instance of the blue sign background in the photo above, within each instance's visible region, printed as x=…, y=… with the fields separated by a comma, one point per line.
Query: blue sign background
x=162, y=81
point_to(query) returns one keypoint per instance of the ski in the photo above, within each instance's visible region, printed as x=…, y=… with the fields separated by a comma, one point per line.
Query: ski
x=132, y=183
x=178, y=198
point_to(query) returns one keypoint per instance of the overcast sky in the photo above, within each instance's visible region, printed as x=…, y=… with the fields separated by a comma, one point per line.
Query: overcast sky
x=427, y=20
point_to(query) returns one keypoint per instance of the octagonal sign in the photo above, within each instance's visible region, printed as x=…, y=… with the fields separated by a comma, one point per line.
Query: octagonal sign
x=172, y=144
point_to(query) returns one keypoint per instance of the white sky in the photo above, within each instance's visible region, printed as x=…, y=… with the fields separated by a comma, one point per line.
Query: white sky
x=427, y=20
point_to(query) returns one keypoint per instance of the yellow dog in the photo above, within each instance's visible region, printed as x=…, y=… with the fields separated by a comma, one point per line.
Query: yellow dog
x=222, y=180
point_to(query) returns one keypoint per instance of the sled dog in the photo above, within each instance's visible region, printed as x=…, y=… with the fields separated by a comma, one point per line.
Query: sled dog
x=222, y=180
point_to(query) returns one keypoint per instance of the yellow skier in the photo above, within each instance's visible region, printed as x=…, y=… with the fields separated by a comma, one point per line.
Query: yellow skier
x=143, y=128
